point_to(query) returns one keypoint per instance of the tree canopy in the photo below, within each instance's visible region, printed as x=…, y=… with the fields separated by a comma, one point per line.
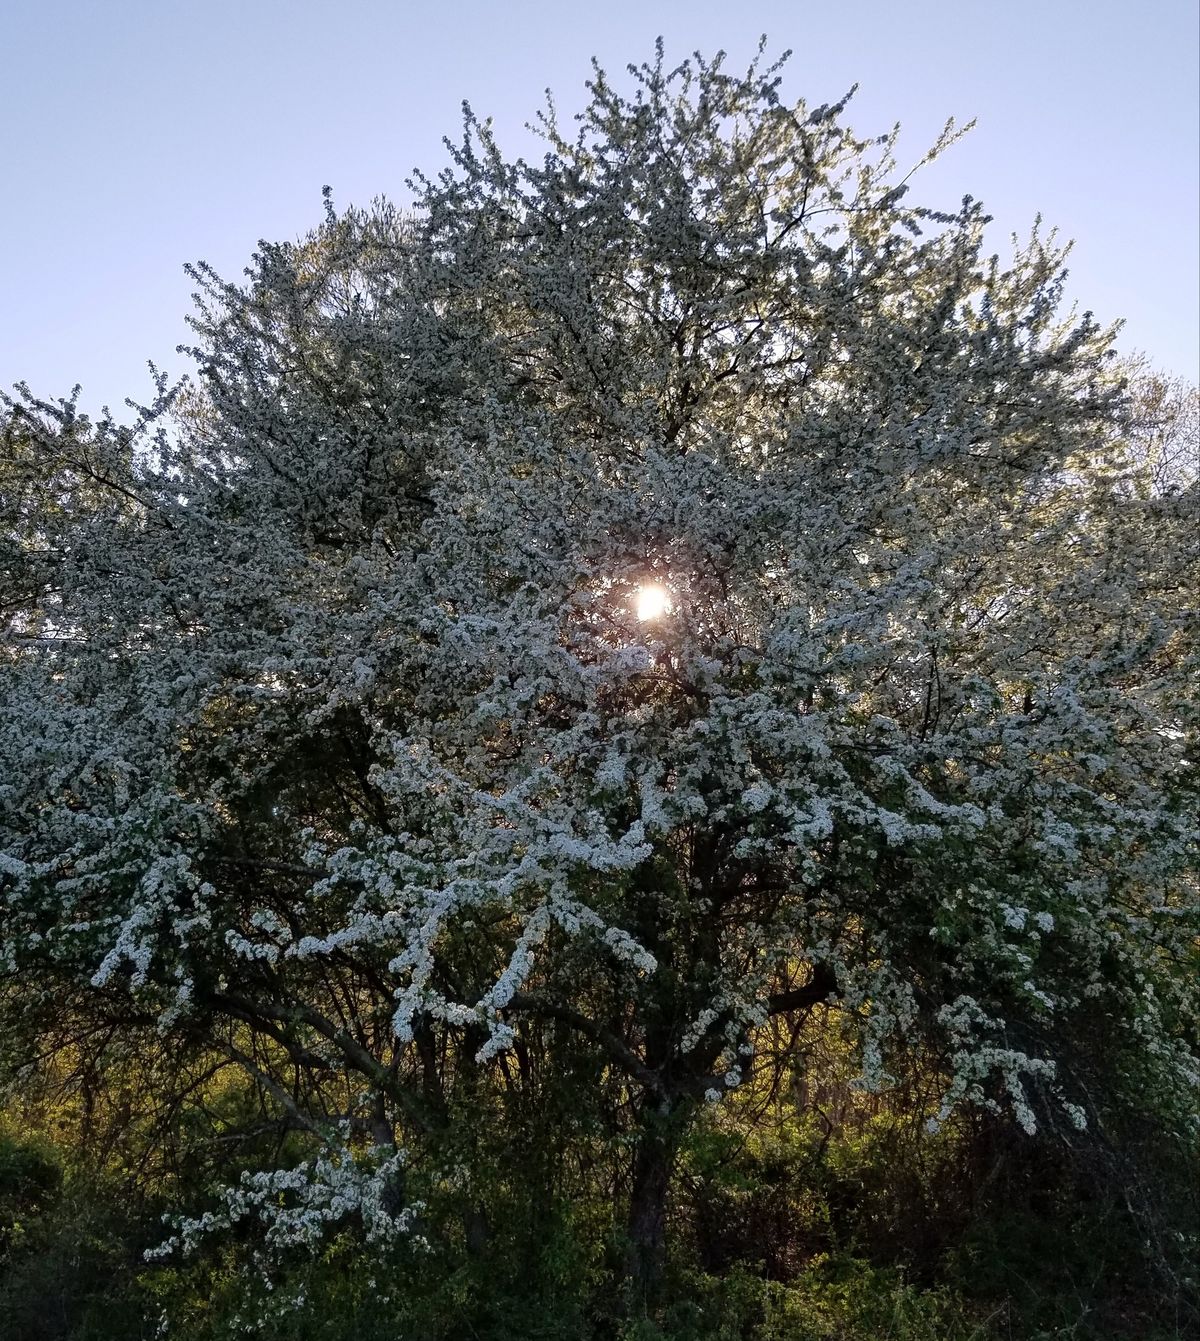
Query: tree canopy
x=340, y=740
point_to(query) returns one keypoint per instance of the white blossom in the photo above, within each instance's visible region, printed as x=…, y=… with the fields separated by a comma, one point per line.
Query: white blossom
x=326, y=702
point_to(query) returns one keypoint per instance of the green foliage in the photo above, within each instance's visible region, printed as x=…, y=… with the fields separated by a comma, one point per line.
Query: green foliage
x=786, y=1227
x=837, y=1299
x=73, y=1271
x=29, y=1179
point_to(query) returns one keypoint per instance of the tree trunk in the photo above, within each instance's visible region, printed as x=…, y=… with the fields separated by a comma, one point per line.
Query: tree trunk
x=477, y=1229
x=384, y=1136
x=646, y=1255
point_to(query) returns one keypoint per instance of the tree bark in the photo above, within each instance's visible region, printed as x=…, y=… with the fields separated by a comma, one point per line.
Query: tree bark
x=646, y=1255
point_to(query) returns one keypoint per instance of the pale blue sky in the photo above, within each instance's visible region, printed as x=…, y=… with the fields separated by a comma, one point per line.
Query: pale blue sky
x=139, y=134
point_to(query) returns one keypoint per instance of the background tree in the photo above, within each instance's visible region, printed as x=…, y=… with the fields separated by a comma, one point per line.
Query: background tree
x=345, y=755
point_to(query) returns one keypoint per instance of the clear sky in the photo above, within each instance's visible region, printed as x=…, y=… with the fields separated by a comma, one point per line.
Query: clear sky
x=136, y=135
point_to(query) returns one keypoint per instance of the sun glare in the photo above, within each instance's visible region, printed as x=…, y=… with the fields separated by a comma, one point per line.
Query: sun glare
x=653, y=601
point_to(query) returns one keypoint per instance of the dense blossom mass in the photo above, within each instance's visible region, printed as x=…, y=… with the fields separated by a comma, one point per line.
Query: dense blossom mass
x=636, y=597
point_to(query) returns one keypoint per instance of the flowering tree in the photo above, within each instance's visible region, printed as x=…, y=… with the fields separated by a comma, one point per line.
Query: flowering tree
x=643, y=593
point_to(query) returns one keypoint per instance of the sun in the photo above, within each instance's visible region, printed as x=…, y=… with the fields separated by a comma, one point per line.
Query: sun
x=653, y=601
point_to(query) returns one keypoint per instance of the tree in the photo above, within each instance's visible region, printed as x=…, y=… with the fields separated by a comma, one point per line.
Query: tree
x=1165, y=429
x=341, y=749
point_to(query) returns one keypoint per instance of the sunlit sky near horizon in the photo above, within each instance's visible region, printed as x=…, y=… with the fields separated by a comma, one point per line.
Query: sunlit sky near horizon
x=137, y=135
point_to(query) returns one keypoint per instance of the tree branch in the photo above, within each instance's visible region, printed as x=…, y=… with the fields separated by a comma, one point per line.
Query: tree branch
x=819, y=988
x=616, y=1047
